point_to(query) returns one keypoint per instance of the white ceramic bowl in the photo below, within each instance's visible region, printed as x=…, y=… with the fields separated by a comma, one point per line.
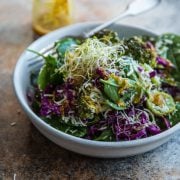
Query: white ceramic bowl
x=21, y=82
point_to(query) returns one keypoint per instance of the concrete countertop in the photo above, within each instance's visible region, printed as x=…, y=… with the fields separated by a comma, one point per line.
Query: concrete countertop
x=24, y=152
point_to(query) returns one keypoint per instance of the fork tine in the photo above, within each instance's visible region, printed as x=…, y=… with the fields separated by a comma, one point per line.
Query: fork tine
x=32, y=63
x=43, y=51
x=36, y=65
x=39, y=61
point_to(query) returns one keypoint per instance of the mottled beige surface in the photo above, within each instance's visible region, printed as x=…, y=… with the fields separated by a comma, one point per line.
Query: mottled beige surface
x=24, y=152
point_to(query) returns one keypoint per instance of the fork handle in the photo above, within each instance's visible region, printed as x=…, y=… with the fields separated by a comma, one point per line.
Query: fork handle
x=106, y=24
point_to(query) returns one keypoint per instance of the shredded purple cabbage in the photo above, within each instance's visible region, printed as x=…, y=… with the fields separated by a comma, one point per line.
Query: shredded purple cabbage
x=172, y=90
x=153, y=129
x=101, y=72
x=48, y=107
x=50, y=97
x=166, y=123
x=149, y=45
x=123, y=128
x=164, y=62
x=152, y=74
x=140, y=69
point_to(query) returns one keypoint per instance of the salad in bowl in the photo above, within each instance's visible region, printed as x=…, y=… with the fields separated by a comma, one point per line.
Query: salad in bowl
x=106, y=88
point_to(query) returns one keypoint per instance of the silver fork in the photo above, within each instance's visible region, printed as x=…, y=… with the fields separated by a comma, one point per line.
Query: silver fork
x=134, y=8
x=38, y=60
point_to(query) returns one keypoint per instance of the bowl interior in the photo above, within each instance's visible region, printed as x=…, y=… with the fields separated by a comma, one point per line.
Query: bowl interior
x=22, y=72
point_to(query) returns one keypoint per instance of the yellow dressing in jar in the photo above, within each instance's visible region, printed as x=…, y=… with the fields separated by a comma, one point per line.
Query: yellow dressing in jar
x=51, y=14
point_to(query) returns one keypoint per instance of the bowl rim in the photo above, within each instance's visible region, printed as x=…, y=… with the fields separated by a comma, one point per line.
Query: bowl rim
x=68, y=137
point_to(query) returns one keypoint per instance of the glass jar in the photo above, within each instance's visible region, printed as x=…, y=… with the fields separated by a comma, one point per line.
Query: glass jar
x=51, y=14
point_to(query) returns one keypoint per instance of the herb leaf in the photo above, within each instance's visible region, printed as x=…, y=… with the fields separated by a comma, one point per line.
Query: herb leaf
x=68, y=128
x=175, y=118
x=63, y=45
x=77, y=131
x=111, y=89
x=114, y=106
x=167, y=47
x=48, y=73
x=106, y=135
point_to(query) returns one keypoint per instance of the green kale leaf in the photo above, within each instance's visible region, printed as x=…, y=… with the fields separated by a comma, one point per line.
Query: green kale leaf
x=107, y=36
x=68, y=128
x=65, y=44
x=168, y=46
x=175, y=118
x=49, y=73
x=136, y=48
x=106, y=135
x=111, y=89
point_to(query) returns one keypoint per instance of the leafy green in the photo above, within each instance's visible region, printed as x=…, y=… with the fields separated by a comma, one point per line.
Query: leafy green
x=106, y=135
x=136, y=48
x=107, y=36
x=175, y=118
x=111, y=89
x=128, y=94
x=93, y=121
x=77, y=131
x=114, y=106
x=168, y=46
x=64, y=44
x=36, y=106
x=49, y=73
x=68, y=128
x=115, y=100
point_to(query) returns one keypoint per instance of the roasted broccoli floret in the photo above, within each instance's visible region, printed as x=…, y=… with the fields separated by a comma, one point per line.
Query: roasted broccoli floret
x=140, y=51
